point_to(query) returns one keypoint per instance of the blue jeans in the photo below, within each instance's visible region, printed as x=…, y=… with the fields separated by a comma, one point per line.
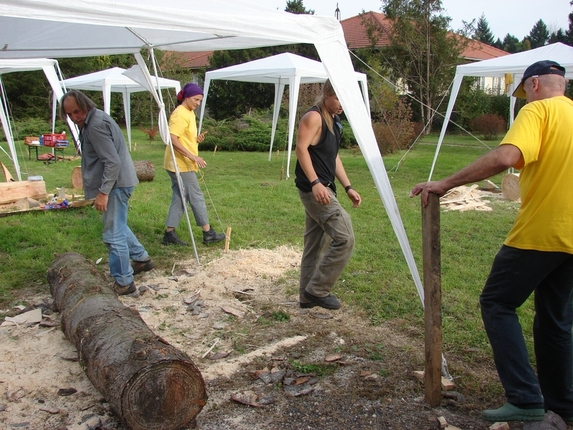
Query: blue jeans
x=121, y=243
x=193, y=195
x=328, y=245
x=514, y=276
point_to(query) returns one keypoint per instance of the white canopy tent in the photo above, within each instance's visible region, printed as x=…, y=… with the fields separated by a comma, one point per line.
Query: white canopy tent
x=51, y=70
x=67, y=28
x=511, y=67
x=280, y=70
x=114, y=80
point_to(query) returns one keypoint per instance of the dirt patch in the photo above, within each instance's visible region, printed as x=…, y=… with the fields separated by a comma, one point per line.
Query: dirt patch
x=267, y=363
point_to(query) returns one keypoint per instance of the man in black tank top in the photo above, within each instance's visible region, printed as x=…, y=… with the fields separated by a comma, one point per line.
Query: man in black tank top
x=318, y=164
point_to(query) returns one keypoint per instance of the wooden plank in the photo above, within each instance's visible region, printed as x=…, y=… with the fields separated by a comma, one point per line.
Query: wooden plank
x=7, y=175
x=12, y=191
x=432, y=300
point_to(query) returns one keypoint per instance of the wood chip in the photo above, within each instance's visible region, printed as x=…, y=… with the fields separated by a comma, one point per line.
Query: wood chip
x=333, y=357
x=52, y=410
x=233, y=311
x=464, y=198
x=248, y=398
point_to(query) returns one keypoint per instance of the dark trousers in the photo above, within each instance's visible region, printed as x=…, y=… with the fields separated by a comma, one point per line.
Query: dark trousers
x=515, y=274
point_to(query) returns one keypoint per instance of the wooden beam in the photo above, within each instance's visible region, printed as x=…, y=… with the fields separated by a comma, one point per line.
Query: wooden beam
x=432, y=300
x=12, y=191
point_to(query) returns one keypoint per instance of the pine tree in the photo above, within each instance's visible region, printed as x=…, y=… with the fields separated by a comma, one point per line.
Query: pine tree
x=539, y=35
x=483, y=32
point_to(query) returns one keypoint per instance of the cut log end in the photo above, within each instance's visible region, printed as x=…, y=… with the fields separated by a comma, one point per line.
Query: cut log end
x=510, y=186
x=164, y=392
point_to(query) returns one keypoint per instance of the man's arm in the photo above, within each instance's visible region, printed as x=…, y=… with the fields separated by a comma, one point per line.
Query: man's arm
x=309, y=130
x=492, y=163
x=344, y=181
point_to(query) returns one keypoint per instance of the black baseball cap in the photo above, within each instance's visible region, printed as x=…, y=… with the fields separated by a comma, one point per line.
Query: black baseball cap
x=544, y=67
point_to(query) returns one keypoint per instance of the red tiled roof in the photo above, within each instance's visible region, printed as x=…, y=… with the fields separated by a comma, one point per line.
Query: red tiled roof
x=191, y=60
x=355, y=33
x=356, y=37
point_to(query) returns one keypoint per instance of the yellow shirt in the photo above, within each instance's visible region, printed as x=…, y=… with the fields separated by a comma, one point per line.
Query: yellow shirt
x=182, y=124
x=544, y=134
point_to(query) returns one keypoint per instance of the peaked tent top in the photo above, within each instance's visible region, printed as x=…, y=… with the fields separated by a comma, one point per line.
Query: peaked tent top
x=115, y=79
x=273, y=69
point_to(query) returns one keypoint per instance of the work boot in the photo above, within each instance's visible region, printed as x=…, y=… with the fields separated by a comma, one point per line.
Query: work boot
x=122, y=290
x=212, y=236
x=328, y=302
x=509, y=412
x=142, y=266
x=171, y=238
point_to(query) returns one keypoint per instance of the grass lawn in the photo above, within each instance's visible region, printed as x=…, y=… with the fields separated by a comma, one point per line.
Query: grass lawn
x=249, y=193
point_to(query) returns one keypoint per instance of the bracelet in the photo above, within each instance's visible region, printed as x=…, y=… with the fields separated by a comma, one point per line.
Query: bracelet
x=348, y=188
x=313, y=183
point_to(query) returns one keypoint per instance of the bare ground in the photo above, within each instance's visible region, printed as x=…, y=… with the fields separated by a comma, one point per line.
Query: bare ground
x=267, y=364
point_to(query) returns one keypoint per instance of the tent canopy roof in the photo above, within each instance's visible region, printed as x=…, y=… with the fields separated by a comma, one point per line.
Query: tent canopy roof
x=61, y=28
x=275, y=69
x=115, y=80
x=517, y=63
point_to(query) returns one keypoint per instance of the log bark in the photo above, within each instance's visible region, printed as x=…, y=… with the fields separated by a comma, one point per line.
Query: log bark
x=148, y=383
x=144, y=170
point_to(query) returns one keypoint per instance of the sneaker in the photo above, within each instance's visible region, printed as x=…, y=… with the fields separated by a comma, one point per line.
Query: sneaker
x=142, y=266
x=509, y=412
x=122, y=290
x=171, y=238
x=328, y=302
x=212, y=236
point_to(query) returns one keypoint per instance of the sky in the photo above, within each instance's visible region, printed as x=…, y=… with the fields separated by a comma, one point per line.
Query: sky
x=516, y=17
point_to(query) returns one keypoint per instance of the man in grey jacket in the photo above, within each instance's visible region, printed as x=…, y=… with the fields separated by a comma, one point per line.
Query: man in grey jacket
x=108, y=177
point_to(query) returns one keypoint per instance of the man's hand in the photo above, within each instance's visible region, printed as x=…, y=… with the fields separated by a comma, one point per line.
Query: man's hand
x=425, y=188
x=100, y=202
x=354, y=197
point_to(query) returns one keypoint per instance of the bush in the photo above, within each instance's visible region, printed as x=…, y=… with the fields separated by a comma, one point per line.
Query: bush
x=33, y=127
x=397, y=131
x=489, y=125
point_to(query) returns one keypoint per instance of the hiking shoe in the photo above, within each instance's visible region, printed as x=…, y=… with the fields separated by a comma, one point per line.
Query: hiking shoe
x=212, y=236
x=122, y=290
x=142, y=266
x=508, y=412
x=328, y=302
x=307, y=305
x=170, y=238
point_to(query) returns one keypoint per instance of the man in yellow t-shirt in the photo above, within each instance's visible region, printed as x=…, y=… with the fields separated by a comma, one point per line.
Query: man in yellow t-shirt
x=183, y=131
x=537, y=255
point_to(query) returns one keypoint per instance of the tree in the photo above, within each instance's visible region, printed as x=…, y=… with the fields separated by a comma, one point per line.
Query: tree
x=422, y=52
x=558, y=36
x=511, y=44
x=483, y=32
x=539, y=35
x=569, y=32
x=296, y=7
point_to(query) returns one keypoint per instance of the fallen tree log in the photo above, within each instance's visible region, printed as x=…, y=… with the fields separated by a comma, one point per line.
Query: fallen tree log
x=145, y=170
x=148, y=383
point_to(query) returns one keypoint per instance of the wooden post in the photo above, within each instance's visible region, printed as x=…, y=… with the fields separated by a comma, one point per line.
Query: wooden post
x=432, y=300
x=227, y=239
